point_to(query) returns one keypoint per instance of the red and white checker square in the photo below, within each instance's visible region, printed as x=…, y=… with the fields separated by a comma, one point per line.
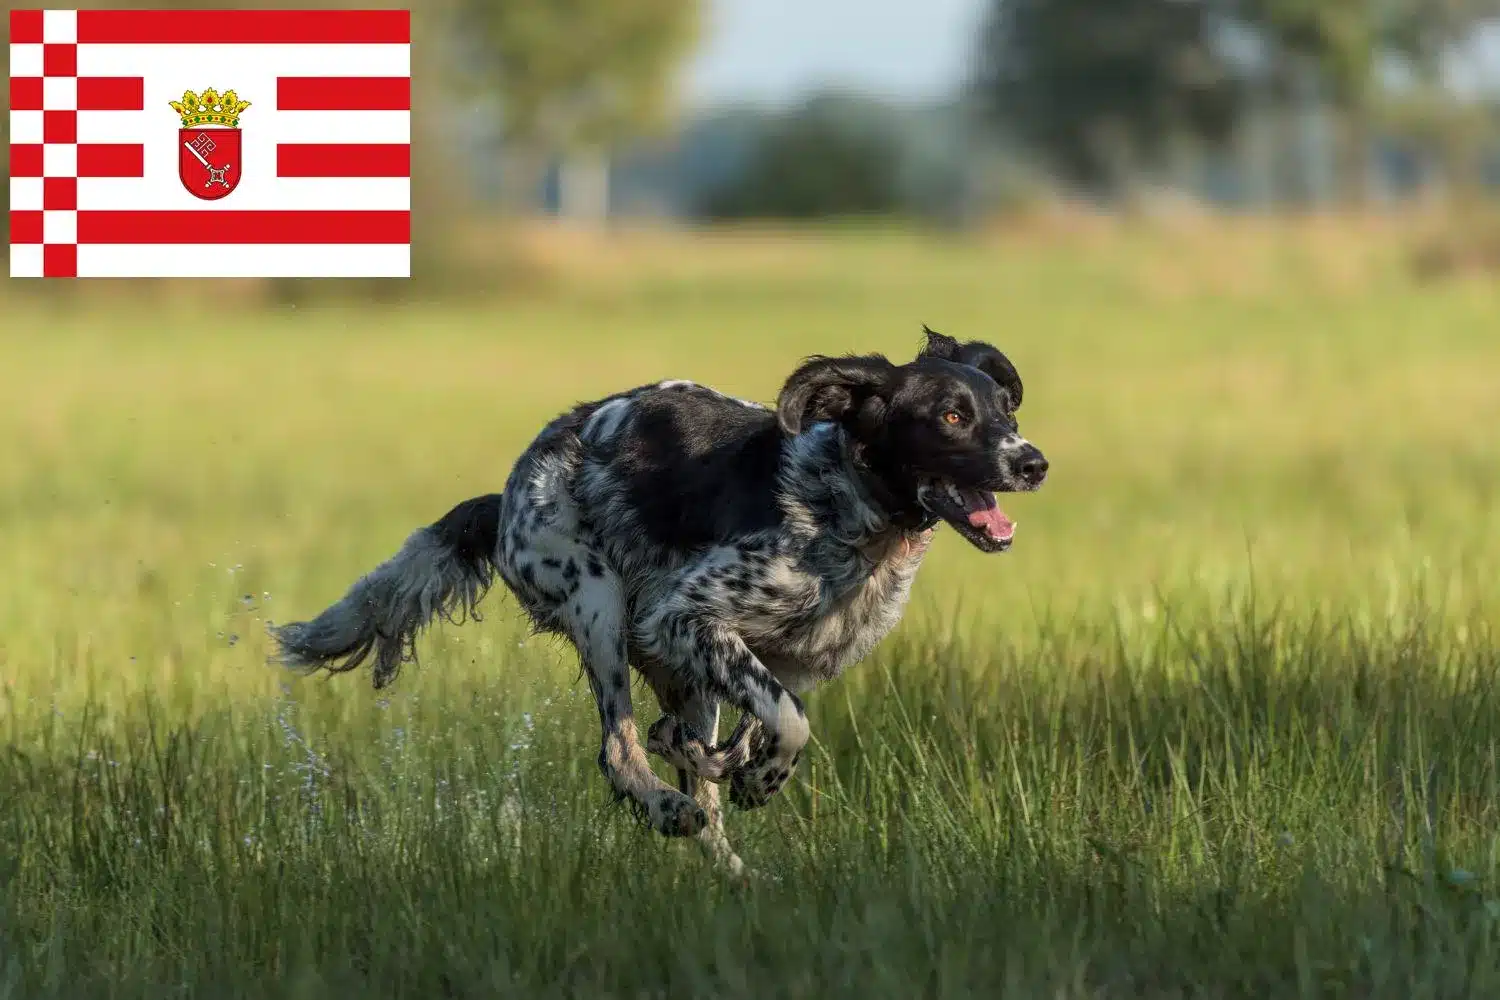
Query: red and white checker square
x=118, y=168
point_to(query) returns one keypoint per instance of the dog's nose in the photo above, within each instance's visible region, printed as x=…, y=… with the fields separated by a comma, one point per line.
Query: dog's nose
x=1031, y=465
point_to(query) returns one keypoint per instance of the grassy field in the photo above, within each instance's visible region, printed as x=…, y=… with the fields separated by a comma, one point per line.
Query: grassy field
x=1223, y=724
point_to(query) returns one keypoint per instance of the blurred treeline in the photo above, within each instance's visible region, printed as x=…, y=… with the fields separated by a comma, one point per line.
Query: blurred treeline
x=1399, y=94
x=1253, y=104
x=571, y=108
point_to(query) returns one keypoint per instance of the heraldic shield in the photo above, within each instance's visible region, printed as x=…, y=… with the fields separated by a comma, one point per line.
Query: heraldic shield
x=208, y=161
x=209, y=150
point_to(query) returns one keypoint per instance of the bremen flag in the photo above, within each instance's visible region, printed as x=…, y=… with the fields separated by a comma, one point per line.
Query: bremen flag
x=210, y=143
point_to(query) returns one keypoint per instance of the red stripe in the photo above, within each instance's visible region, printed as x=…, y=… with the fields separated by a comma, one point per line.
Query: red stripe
x=111, y=93
x=25, y=226
x=60, y=127
x=60, y=59
x=60, y=260
x=26, y=159
x=244, y=27
x=206, y=226
x=343, y=93
x=60, y=193
x=349, y=159
x=117, y=159
x=26, y=93
x=25, y=27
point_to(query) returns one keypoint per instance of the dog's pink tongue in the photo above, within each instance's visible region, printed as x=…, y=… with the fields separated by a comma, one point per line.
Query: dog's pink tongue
x=985, y=513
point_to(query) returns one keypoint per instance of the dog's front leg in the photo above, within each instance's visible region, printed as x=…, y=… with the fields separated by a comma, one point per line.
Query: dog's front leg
x=594, y=613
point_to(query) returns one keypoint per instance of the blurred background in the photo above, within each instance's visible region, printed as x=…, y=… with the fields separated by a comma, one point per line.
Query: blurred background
x=948, y=113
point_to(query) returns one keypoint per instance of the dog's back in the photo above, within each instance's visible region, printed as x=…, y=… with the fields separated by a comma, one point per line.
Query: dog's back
x=680, y=466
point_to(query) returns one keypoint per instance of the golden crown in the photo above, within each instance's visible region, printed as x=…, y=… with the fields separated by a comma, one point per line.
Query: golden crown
x=209, y=108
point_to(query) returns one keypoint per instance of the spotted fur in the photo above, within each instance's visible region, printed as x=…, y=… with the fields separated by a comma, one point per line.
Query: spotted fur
x=731, y=553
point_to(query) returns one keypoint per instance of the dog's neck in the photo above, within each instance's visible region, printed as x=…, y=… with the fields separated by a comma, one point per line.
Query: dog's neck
x=827, y=492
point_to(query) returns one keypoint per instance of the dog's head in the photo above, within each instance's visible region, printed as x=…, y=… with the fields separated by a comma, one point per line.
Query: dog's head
x=935, y=438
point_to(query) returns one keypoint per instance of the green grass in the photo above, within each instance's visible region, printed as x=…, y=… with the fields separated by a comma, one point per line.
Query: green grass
x=1224, y=723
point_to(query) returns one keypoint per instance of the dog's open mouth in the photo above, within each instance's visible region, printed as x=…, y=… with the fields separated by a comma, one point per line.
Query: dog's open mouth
x=975, y=514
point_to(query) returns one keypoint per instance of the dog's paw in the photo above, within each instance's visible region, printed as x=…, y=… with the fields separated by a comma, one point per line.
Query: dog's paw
x=752, y=787
x=673, y=814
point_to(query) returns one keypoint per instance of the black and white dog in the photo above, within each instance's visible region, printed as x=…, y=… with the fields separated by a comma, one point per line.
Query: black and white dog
x=733, y=554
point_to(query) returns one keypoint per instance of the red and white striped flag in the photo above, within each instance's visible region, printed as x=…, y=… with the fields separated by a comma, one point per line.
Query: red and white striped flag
x=210, y=143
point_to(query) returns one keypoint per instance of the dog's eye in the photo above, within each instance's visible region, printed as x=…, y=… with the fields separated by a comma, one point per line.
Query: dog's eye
x=953, y=417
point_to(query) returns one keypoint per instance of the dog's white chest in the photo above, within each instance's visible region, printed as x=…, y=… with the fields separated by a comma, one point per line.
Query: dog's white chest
x=841, y=626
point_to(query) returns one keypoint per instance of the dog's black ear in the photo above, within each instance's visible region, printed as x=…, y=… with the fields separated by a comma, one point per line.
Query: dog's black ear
x=976, y=354
x=997, y=366
x=831, y=389
x=939, y=345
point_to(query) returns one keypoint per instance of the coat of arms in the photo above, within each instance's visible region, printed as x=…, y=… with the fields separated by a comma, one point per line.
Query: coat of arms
x=208, y=160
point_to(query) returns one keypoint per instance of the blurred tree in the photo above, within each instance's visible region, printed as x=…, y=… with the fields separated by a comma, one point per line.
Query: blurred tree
x=1427, y=35
x=835, y=155
x=1425, y=30
x=1100, y=89
x=1339, y=44
x=573, y=75
x=1326, y=48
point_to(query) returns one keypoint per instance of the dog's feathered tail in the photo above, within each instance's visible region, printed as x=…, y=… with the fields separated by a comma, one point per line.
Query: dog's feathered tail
x=443, y=570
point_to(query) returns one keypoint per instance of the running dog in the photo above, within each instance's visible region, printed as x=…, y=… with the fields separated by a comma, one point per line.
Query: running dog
x=732, y=553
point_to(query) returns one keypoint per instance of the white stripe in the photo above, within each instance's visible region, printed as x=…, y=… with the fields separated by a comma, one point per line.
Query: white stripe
x=257, y=191
x=60, y=26
x=26, y=126
x=243, y=68
x=26, y=194
x=241, y=261
x=342, y=126
x=25, y=260
x=60, y=226
x=59, y=160
x=60, y=93
x=25, y=60
x=268, y=128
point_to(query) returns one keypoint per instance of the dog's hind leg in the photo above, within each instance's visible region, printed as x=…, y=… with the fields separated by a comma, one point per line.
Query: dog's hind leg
x=592, y=613
x=569, y=588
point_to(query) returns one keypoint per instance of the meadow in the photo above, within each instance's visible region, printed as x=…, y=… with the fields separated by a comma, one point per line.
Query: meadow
x=1224, y=723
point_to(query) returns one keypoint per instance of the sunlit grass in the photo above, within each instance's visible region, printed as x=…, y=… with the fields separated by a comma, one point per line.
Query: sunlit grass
x=1223, y=723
